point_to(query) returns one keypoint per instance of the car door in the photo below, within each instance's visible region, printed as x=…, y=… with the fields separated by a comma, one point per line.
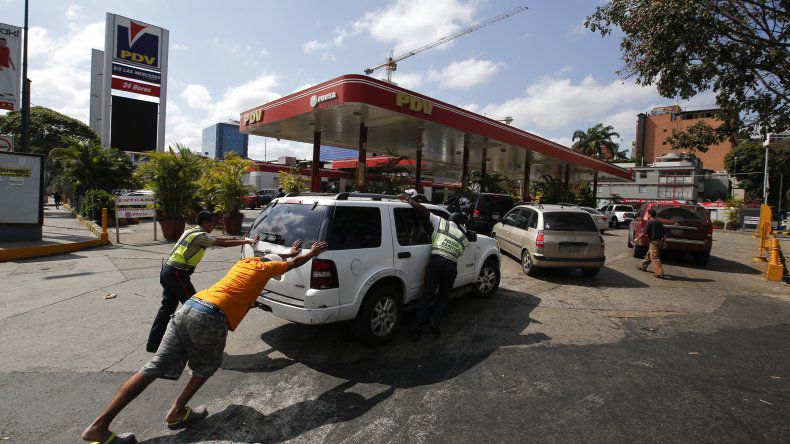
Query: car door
x=412, y=249
x=504, y=231
x=466, y=265
x=519, y=234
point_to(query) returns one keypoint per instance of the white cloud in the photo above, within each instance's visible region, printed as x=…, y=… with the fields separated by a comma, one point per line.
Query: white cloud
x=464, y=74
x=197, y=96
x=407, y=23
x=301, y=87
x=73, y=12
x=271, y=149
x=180, y=47
x=408, y=80
x=328, y=57
x=263, y=52
x=577, y=29
x=314, y=45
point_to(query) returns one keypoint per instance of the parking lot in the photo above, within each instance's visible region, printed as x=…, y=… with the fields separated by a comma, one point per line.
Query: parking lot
x=699, y=356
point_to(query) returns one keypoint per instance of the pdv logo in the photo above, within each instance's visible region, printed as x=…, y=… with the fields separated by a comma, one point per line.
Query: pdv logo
x=137, y=43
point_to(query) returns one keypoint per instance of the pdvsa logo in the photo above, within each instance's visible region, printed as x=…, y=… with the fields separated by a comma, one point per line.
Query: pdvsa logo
x=315, y=100
x=137, y=42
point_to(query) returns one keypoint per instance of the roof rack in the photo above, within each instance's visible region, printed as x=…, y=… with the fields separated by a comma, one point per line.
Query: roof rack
x=371, y=196
x=308, y=193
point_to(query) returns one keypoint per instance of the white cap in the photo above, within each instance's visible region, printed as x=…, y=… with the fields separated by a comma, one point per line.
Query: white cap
x=410, y=192
x=273, y=257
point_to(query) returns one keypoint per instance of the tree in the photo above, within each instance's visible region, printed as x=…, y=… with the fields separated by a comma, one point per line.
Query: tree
x=550, y=190
x=90, y=167
x=737, y=48
x=698, y=137
x=48, y=130
x=750, y=166
x=292, y=181
x=173, y=176
x=596, y=141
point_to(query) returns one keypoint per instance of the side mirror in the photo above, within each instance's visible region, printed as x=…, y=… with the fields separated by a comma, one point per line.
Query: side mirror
x=471, y=236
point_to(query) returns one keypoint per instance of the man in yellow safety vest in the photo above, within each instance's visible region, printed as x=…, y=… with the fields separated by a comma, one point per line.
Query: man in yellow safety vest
x=175, y=275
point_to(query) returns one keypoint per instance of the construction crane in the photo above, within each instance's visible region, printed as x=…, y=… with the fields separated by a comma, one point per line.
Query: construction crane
x=392, y=61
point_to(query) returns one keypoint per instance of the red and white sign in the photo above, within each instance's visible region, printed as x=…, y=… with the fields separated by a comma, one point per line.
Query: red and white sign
x=134, y=212
x=133, y=200
x=135, y=87
x=6, y=144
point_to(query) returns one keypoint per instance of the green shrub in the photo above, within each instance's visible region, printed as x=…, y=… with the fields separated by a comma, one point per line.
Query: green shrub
x=718, y=223
x=94, y=201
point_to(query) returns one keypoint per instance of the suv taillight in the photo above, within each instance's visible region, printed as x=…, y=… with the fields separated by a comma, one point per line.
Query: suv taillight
x=323, y=274
x=539, y=239
x=710, y=230
x=476, y=214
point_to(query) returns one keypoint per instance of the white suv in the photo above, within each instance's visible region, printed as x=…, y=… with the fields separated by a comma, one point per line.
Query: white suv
x=618, y=214
x=375, y=264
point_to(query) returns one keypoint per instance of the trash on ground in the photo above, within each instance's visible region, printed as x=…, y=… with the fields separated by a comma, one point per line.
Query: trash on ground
x=110, y=296
x=694, y=353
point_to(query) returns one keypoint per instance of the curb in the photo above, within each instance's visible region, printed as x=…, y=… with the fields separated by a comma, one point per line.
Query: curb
x=90, y=225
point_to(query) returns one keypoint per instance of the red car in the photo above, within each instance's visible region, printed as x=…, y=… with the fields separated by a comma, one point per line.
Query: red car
x=251, y=201
x=687, y=229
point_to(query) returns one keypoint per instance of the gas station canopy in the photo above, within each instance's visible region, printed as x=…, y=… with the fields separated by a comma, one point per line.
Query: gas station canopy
x=359, y=112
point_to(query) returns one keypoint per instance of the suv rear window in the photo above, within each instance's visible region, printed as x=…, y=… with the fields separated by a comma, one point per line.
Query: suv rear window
x=624, y=208
x=681, y=213
x=567, y=221
x=489, y=204
x=354, y=227
x=284, y=223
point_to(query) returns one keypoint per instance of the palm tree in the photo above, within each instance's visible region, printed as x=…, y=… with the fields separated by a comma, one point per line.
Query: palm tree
x=596, y=141
x=89, y=166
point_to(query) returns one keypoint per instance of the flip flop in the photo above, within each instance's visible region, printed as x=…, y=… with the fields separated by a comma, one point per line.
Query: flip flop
x=190, y=417
x=126, y=438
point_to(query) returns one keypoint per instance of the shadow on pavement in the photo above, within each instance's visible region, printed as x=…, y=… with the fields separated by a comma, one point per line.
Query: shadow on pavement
x=472, y=330
x=714, y=264
x=608, y=277
x=240, y=423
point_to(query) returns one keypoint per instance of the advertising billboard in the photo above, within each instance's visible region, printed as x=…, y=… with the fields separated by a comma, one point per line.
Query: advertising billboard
x=10, y=66
x=137, y=43
x=20, y=188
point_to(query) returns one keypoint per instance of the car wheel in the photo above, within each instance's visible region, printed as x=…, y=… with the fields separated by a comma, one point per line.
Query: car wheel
x=527, y=265
x=379, y=316
x=640, y=251
x=701, y=258
x=487, y=280
x=615, y=223
x=590, y=272
x=602, y=231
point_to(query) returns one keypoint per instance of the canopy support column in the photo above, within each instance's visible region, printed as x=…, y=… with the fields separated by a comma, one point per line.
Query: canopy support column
x=361, y=179
x=315, y=174
x=465, y=165
x=595, y=187
x=567, y=180
x=527, y=167
x=418, y=172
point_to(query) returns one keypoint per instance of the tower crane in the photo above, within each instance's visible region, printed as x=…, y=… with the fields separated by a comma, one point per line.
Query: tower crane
x=392, y=61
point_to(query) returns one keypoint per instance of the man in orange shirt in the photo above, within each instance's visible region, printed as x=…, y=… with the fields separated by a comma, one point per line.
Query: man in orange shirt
x=196, y=336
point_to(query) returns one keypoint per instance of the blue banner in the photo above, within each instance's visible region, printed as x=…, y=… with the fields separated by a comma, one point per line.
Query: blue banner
x=136, y=73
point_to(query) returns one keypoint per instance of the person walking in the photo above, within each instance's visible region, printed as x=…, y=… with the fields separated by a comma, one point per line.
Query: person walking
x=280, y=192
x=175, y=275
x=654, y=231
x=448, y=241
x=57, y=197
x=196, y=337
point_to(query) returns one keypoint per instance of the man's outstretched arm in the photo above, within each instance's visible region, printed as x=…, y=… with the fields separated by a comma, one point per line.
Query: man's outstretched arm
x=316, y=249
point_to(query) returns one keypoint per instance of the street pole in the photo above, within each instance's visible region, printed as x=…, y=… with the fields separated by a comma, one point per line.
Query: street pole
x=765, y=178
x=25, y=130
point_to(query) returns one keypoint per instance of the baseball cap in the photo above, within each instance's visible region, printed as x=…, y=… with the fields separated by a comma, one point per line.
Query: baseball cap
x=272, y=257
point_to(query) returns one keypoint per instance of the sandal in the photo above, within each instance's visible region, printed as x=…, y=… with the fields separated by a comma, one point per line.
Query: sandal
x=190, y=417
x=126, y=438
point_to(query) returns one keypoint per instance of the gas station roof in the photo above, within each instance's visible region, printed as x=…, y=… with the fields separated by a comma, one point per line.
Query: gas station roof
x=399, y=121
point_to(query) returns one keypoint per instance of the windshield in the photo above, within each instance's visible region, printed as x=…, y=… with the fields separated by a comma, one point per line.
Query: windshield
x=628, y=208
x=494, y=204
x=567, y=221
x=681, y=213
x=590, y=210
x=284, y=223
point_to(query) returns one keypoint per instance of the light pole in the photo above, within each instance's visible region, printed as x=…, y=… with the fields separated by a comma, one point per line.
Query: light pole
x=25, y=130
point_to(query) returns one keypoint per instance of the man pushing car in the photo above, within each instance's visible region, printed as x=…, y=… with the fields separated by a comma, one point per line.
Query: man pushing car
x=196, y=336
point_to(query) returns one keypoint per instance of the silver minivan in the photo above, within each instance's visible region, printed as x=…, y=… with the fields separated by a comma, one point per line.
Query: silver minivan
x=551, y=236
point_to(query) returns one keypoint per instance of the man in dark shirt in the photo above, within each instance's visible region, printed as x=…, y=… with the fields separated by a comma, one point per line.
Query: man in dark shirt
x=654, y=232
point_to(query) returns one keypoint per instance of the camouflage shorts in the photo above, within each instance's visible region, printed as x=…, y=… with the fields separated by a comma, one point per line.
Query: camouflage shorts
x=192, y=337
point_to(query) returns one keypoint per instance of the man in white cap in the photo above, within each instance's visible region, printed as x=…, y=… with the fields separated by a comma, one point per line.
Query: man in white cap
x=196, y=336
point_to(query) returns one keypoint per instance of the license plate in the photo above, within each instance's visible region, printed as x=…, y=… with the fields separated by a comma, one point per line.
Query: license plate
x=676, y=231
x=570, y=249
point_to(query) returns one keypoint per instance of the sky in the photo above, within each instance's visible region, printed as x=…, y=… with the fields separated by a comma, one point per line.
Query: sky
x=541, y=67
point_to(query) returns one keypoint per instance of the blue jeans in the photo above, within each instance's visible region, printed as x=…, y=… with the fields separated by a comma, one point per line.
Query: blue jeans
x=440, y=274
x=176, y=287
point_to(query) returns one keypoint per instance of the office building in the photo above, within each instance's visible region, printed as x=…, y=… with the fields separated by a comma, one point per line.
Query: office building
x=222, y=138
x=652, y=130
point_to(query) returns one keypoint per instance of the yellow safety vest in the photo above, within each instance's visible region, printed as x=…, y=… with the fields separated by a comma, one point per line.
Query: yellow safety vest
x=185, y=254
x=448, y=241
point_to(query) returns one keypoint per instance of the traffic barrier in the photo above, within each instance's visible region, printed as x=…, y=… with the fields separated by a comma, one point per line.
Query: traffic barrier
x=763, y=233
x=775, y=269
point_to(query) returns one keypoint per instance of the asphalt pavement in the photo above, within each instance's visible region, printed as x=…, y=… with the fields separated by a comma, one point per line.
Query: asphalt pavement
x=699, y=357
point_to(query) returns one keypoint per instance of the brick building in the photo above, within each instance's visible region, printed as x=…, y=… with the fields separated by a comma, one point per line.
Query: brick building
x=652, y=130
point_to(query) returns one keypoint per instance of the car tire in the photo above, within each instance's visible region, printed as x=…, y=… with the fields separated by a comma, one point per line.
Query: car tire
x=527, y=266
x=640, y=251
x=602, y=231
x=701, y=258
x=590, y=272
x=487, y=280
x=379, y=316
x=615, y=223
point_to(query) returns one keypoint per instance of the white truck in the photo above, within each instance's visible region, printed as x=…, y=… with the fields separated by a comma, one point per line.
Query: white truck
x=375, y=264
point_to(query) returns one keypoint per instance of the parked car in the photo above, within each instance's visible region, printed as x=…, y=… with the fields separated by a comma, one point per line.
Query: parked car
x=251, y=201
x=551, y=236
x=374, y=267
x=618, y=214
x=484, y=211
x=601, y=221
x=687, y=230
x=266, y=195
